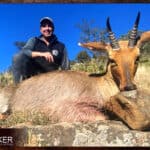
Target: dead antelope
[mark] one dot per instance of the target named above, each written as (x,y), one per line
(76,96)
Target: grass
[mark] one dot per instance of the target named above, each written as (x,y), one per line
(6,79)
(30,118)
(142,77)
(94,66)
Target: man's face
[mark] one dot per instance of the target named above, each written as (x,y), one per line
(46,30)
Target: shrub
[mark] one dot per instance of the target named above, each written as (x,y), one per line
(95,65)
(6,79)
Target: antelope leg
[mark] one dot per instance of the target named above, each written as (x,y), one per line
(129,112)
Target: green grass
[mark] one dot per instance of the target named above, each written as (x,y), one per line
(94,66)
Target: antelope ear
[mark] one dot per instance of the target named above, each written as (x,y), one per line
(95,46)
(144,38)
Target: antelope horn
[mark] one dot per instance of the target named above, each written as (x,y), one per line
(113,40)
(133,34)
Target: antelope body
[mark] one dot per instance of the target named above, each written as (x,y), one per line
(77,96)
(69,95)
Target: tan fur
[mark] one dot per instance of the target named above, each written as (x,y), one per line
(72,96)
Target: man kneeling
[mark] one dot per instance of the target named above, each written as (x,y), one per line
(40,54)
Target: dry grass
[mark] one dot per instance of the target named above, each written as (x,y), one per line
(6,79)
(27,118)
(142,77)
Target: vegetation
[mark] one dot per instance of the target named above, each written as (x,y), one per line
(22,118)
(95,65)
(83,57)
(6,79)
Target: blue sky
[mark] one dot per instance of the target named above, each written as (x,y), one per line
(19,22)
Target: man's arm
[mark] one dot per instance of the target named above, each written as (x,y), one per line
(28,50)
(29,46)
(65,64)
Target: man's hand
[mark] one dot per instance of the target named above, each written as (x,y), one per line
(47,55)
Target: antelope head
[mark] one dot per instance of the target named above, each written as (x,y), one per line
(123,55)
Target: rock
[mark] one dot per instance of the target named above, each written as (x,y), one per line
(101,133)
(130,94)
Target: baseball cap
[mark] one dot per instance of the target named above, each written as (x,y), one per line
(47,20)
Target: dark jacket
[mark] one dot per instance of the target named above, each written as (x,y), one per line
(56,48)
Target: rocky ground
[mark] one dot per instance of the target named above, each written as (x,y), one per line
(101,133)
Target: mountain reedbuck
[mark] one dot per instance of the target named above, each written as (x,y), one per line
(77,96)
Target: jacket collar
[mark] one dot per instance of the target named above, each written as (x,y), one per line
(52,38)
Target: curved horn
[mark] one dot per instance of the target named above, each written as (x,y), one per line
(133,34)
(113,41)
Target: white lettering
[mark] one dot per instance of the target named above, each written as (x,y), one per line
(6,140)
